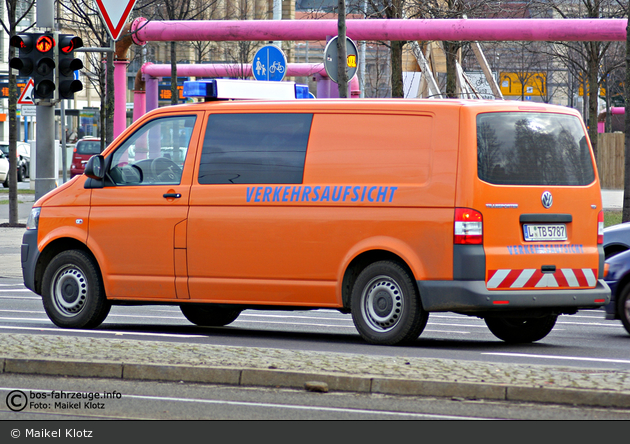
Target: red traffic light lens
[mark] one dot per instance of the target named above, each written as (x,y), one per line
(68,48)
(45,43)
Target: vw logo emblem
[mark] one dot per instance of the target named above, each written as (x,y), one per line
(547,199)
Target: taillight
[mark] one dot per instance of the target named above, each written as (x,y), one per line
(468,227)
(600,227)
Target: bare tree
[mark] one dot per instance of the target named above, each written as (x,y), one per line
(180,10)
(453,9)
(389,9)
(592,52)
(81,16)
(625,217)
(15,16)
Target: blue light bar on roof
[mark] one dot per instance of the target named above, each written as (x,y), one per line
(226,89)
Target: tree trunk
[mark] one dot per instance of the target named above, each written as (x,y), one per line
(450,51)
(13,131)
(397,74)
(593,95)
(174,91)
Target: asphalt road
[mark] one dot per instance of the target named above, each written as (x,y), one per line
(584,340)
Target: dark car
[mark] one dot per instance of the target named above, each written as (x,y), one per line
(618,279)
(616,239)
(83,150)
(23,158)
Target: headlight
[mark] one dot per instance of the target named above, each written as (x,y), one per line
(33,219)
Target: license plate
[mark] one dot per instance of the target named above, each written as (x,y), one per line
(545,232)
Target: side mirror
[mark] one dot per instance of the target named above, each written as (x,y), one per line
(95,168)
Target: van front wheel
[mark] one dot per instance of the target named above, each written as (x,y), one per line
(206,315)
(386,308)
(521,330)
(73,292)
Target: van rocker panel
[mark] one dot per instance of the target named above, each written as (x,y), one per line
(473,296)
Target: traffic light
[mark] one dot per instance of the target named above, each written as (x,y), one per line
(44,66)
(68,64)
(24,61)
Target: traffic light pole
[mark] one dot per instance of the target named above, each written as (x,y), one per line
(45,174)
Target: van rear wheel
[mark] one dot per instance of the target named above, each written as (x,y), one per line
(206,315)
(521,330)
(72,291)
(385,304)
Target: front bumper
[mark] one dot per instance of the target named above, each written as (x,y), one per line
(29,256)
(473,296)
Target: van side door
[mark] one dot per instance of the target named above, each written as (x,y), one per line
(138,217)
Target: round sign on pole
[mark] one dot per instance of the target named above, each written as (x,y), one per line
(331,56)
(269,63)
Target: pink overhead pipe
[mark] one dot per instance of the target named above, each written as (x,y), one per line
(382,29)
(227,70)
(601,123)
(153,71)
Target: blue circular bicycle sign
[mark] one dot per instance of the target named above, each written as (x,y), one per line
(269,63)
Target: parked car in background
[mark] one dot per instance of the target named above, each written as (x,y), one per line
(4,170)
(83,150)
(618,279)
(616,239)
(23,158)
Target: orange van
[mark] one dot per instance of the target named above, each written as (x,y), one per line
(387,209)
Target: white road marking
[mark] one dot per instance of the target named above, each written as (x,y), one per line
(565,358)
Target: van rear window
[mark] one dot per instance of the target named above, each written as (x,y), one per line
(254,148)
(526,148)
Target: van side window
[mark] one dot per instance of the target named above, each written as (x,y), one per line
(153,155)
(254,148)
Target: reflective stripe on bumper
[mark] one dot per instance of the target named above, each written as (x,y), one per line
(534,278)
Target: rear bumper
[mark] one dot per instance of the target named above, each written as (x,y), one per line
(473,296)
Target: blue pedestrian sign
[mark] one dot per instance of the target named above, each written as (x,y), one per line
(269,63)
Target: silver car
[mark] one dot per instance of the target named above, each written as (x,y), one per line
(4,170)
(23,158)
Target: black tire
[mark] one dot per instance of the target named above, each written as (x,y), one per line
(385,304)
(623,308)
(6,181)
(73,292)
(521,330)
(206,315)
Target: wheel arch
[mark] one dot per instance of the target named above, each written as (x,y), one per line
(362,260)
(614,248)
(53,249)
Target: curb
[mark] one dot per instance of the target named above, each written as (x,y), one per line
(298,380)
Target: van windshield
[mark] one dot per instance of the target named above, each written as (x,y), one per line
(516,148)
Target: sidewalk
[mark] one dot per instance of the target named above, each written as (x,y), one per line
(253,366)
